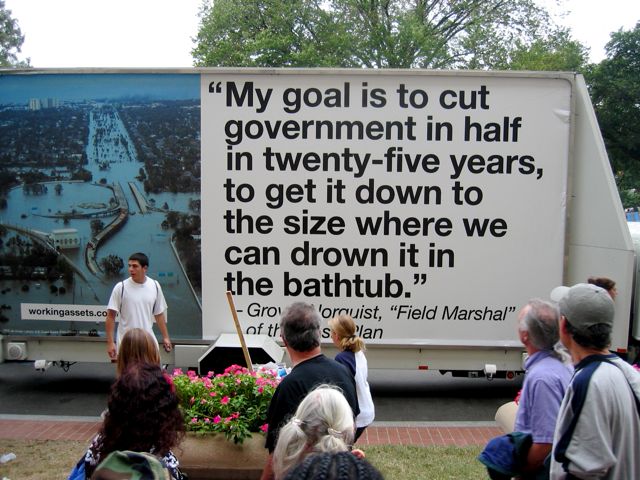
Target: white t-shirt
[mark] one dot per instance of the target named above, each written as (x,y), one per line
(365,402)
(137,304)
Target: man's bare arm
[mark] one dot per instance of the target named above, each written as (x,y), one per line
(162,325)
(535,458)
(109,327)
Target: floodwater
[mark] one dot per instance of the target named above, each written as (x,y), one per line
(111,156)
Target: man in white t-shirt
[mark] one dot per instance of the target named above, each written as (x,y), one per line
(140,302)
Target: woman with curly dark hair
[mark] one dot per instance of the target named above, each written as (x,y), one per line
(142,416)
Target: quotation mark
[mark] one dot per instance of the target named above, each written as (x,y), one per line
(419,278)
(215,87)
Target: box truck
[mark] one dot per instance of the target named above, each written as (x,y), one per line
(428,205)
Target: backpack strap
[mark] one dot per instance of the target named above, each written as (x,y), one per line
(157,294)
(580,386)
(633,392)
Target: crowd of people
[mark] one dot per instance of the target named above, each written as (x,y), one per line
(578,414)
(579,408)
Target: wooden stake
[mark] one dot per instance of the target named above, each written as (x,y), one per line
(234,313)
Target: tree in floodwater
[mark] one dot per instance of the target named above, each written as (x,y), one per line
(96,226)
(112,264)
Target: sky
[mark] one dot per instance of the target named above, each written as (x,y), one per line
(159,33)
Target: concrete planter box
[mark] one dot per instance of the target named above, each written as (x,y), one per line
(212,456)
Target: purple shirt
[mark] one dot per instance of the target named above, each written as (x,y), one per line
(545,382)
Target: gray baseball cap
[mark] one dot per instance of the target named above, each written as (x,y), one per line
(584,305)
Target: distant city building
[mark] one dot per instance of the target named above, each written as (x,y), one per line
(40,103)
(39,272)
(65,238)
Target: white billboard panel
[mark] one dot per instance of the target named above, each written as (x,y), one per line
(428,206)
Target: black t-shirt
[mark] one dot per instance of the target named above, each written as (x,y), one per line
(303,378)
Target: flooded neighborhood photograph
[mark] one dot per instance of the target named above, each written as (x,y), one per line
(95,167)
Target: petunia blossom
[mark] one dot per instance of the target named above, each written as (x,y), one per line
(224,400)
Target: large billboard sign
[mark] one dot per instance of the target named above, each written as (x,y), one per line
(428,206)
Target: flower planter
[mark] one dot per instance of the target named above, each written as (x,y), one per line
(212,456)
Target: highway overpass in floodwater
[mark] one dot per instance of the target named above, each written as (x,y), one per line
(91,248)
(140,199)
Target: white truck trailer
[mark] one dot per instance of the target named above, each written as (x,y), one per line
(428,205)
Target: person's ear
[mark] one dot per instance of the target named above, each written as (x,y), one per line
(563,324)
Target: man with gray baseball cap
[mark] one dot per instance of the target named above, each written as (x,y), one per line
(597,434)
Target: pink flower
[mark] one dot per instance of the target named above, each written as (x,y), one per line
(192,400)
(210,374)
(217,419)
(206,420)
(203,401)
(169,380)
(224,400)
(191,373)
(264,427)
(212,394)
(260,389)
(177,371)
(194,420)
(238,381)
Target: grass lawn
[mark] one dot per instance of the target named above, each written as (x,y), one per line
(419,463)
(52,460)
(40,459)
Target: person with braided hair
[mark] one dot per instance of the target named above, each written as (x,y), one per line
(334,466)
(351,346)
(323,422)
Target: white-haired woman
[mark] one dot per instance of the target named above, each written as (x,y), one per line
(323,422)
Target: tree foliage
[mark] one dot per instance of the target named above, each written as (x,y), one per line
(112,264)
(615,92)
(383,34)
(11,39)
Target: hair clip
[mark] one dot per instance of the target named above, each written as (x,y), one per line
(334,433)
